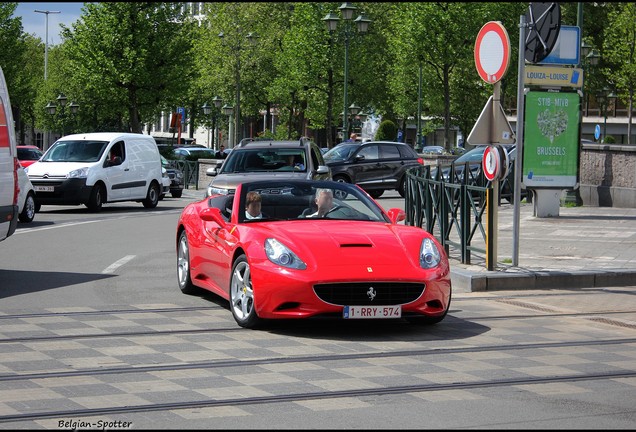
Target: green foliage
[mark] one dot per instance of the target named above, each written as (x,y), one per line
(124,63)
(134,58)
(609,139)
(387,131)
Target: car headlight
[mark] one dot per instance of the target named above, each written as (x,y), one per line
(281,255)
(179,175)
(211,190)
(78,173)
(429,254)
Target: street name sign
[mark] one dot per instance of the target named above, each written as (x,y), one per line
(553,76)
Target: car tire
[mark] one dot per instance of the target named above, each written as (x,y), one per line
(177,193)
(242,294)
(96,199)
(28,211)
(430,320)
(183,265)
(402,188)
(152,197)
(38,206)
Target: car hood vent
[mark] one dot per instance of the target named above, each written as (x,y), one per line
(355,245)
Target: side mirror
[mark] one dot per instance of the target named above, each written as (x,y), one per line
(396,215)
(212,172)
(213,215)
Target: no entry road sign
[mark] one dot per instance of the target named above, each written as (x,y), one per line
(492,52)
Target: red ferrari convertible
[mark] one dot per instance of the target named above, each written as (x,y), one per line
(302,248)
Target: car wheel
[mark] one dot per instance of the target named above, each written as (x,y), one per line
(37,207)
(338,193)
(428,320)
(183,265)
(377,193)
(152,198)
(177,193)
(95,201)
(402,188)
(242,294)
(28,212)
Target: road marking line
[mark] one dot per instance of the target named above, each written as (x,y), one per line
(111,268)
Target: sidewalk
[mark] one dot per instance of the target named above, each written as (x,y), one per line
(583,247)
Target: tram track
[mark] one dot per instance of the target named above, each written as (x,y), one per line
(295,397)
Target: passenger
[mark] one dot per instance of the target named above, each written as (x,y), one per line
(253,202)
(296,162)
(324,204)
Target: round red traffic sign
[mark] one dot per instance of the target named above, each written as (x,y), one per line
(491,163)
(492,52)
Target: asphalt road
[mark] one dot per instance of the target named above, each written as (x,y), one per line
(94,333)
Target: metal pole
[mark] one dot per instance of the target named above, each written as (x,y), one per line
(45,144)
(418,138)
(345,114)
(518,165)
(46,42)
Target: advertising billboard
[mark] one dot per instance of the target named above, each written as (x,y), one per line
(551,140)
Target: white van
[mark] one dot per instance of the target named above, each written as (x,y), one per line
(9,164)
(97,168)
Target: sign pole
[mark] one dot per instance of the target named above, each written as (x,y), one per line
(492,202)
(519,134)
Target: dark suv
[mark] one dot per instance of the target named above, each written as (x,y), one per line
(264,159)
(374,165)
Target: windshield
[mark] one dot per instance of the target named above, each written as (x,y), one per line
(474,155)
(304,201)
(29,154)
(265,160)
(75,151)
(340,152)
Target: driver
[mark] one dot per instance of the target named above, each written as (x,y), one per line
(324,202)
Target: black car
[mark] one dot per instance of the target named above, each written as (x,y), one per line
(176,178)
(374,165)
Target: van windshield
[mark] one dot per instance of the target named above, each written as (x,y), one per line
(75,151)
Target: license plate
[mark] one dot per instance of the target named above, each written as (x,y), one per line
(361,312)
(44,188)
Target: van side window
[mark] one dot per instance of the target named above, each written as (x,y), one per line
(117,150)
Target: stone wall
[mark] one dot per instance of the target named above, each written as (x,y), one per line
(204,179)
(608,175)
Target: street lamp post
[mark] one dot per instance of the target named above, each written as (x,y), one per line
(207,110)
(236,49)
(51,109)
(418,136)
(331,20)
(46,42)
(228,110)
(45,144)
(603,98)
(591,57)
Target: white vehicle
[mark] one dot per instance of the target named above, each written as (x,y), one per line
(26,198)
(8,165)
(97,168)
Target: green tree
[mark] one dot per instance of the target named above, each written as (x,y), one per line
(128,61)
(619,47)
(12,58)
(387,131)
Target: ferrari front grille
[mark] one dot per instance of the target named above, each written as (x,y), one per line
(369,293)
